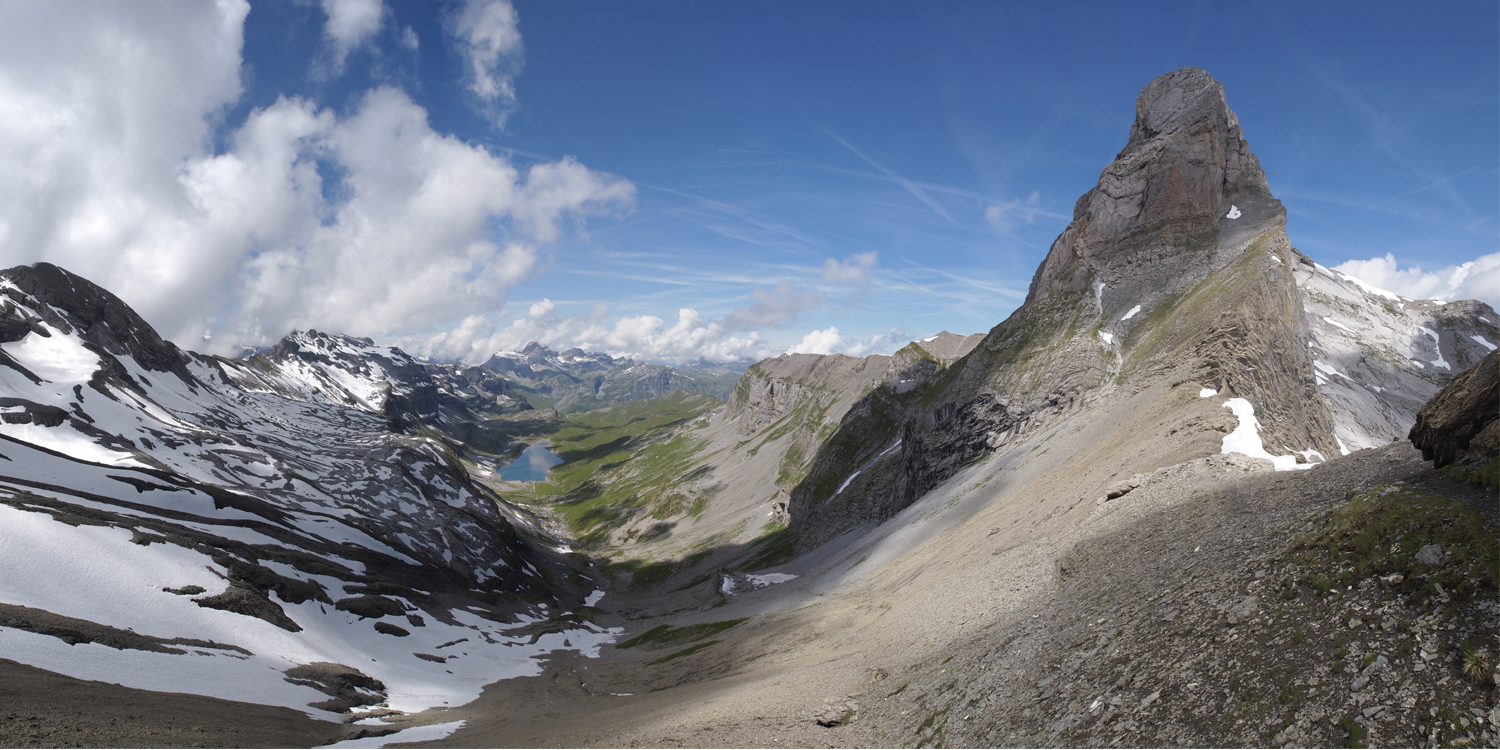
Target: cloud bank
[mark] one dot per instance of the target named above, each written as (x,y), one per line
(370,223)
(1477,279)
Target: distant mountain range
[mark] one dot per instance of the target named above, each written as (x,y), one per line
(575,380)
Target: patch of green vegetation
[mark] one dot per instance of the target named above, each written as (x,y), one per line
(1182,322)
(1356,733)
(772,548)
(690,650)
(1486,475)
(619,460)
(699,506)
(1380,531)
(664,636)
(699,581)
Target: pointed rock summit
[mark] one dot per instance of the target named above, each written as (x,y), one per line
(1169,319)
(1185,169)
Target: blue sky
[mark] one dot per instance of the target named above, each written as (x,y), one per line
(815,176)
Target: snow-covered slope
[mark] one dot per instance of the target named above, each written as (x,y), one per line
(263,507)
(1379,356)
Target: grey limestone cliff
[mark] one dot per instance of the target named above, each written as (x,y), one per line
(1175,269)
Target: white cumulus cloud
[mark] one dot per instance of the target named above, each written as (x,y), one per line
(830,341)
(350,23)
(370,223)
(1477,279)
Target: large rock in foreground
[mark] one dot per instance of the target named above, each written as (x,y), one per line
(1463,419)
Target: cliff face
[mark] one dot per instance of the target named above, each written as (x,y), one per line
(1175,265)
(1463,420)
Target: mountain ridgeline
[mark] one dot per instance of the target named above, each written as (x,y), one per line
(1176,268)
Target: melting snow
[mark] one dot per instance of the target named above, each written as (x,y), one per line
(1377,291)
(60,358)
(1132,313)
(846,483)
(120,584)
(769,579)
(594,598)
(1246,438)
(1483,342)
(1328,369)
(1234,212)
(1436,344)
(1109,338)
(731,585)
(424,733)
(1340,325)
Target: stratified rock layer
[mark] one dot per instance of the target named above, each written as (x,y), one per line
(1176,268)
(1463,419)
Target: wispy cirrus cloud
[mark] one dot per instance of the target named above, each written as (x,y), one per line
(908,185)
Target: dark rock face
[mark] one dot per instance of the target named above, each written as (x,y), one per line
(1185,165)
(1463,419)
(99,317)
(1176,264)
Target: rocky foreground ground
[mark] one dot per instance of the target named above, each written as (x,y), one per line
(1214,604)
(1335,607)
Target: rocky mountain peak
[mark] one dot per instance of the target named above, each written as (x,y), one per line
(73,304)
(1185,173)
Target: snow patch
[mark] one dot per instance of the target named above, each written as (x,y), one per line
(1331,321)
(60,358)
(1343,449)
(424,733)
(1483,342)
(1377,291)
(1132,313)
(1109,338)
(1437,344)
(1207,393)
(770,579)
(1245,439)
(120,584)
(1234,212)
(845,484)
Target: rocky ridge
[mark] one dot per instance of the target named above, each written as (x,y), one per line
(575,380)
(1177,267)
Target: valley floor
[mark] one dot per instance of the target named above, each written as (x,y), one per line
(1173,616)
(1180,614)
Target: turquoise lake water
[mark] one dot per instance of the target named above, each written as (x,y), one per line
(533,465)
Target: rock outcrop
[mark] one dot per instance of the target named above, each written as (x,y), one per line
(1176,266)
(1463,420)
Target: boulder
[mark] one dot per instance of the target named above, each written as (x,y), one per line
(1463,419)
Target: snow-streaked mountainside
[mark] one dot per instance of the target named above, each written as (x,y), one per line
(257,513)
(575,380)
(1379,356)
